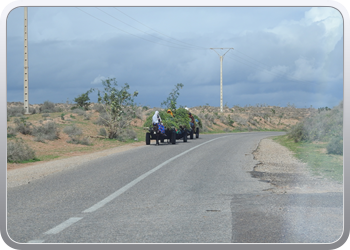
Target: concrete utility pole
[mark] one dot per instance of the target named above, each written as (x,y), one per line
(26,86)
(221,59)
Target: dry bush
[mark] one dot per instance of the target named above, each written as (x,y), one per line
(48,131)
(22,126)
(126,134)
(18,151)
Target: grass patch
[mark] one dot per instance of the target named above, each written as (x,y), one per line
(315,155)
(25,161)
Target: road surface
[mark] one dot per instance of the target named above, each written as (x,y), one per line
(201,191)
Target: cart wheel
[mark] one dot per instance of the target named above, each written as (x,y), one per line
(191,134)
(184,133)
(173,138)
(197,133)
(148,138)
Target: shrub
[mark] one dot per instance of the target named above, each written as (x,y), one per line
(335,146)
(87,116)
(75,135)
(118,104)
(298,132)
(103,132)
(240,120)
(15,111)
(45,115)
(48,131)
(85,141)
(126,134)
(47,107)
(79,111)
(18,151)
(322,126)
(99,108)
(83,100)
(72,130)
(102,119)
(22,126)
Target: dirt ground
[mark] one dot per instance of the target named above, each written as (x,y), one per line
(252,118)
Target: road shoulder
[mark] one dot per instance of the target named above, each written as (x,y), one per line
(285,173)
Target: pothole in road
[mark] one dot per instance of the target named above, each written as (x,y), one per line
(259,175)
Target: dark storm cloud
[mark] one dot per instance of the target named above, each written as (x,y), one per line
(274,55)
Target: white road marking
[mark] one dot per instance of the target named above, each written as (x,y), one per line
(137,180)
(63,225)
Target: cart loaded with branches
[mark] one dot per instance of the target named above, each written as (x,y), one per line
(176,127)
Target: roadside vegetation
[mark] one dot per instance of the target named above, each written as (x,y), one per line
(58,130)
(318,141)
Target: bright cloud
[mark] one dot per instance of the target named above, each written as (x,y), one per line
(98,79)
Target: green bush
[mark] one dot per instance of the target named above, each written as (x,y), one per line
(18,151)
(335,146)
(321,126)
(298,132)
(83,100)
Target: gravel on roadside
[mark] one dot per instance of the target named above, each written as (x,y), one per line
(285,173)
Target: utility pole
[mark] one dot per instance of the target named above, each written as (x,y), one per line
(221,59)
(26,78)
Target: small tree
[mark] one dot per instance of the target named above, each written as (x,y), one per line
(83,100)
(170,102)
(118,105)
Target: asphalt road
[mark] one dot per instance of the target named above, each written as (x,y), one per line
(200,191)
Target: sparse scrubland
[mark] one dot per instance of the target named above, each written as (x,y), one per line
(59,130)
(62,131)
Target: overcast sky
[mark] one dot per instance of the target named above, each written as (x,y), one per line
(280,56)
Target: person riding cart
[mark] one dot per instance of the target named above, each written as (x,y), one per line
(157,123)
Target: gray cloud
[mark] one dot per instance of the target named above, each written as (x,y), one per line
(280,56)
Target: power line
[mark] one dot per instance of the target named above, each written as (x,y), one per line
(250,60)
(158,31)
(280,73)
(139,29)
(127,31)
(250,64)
